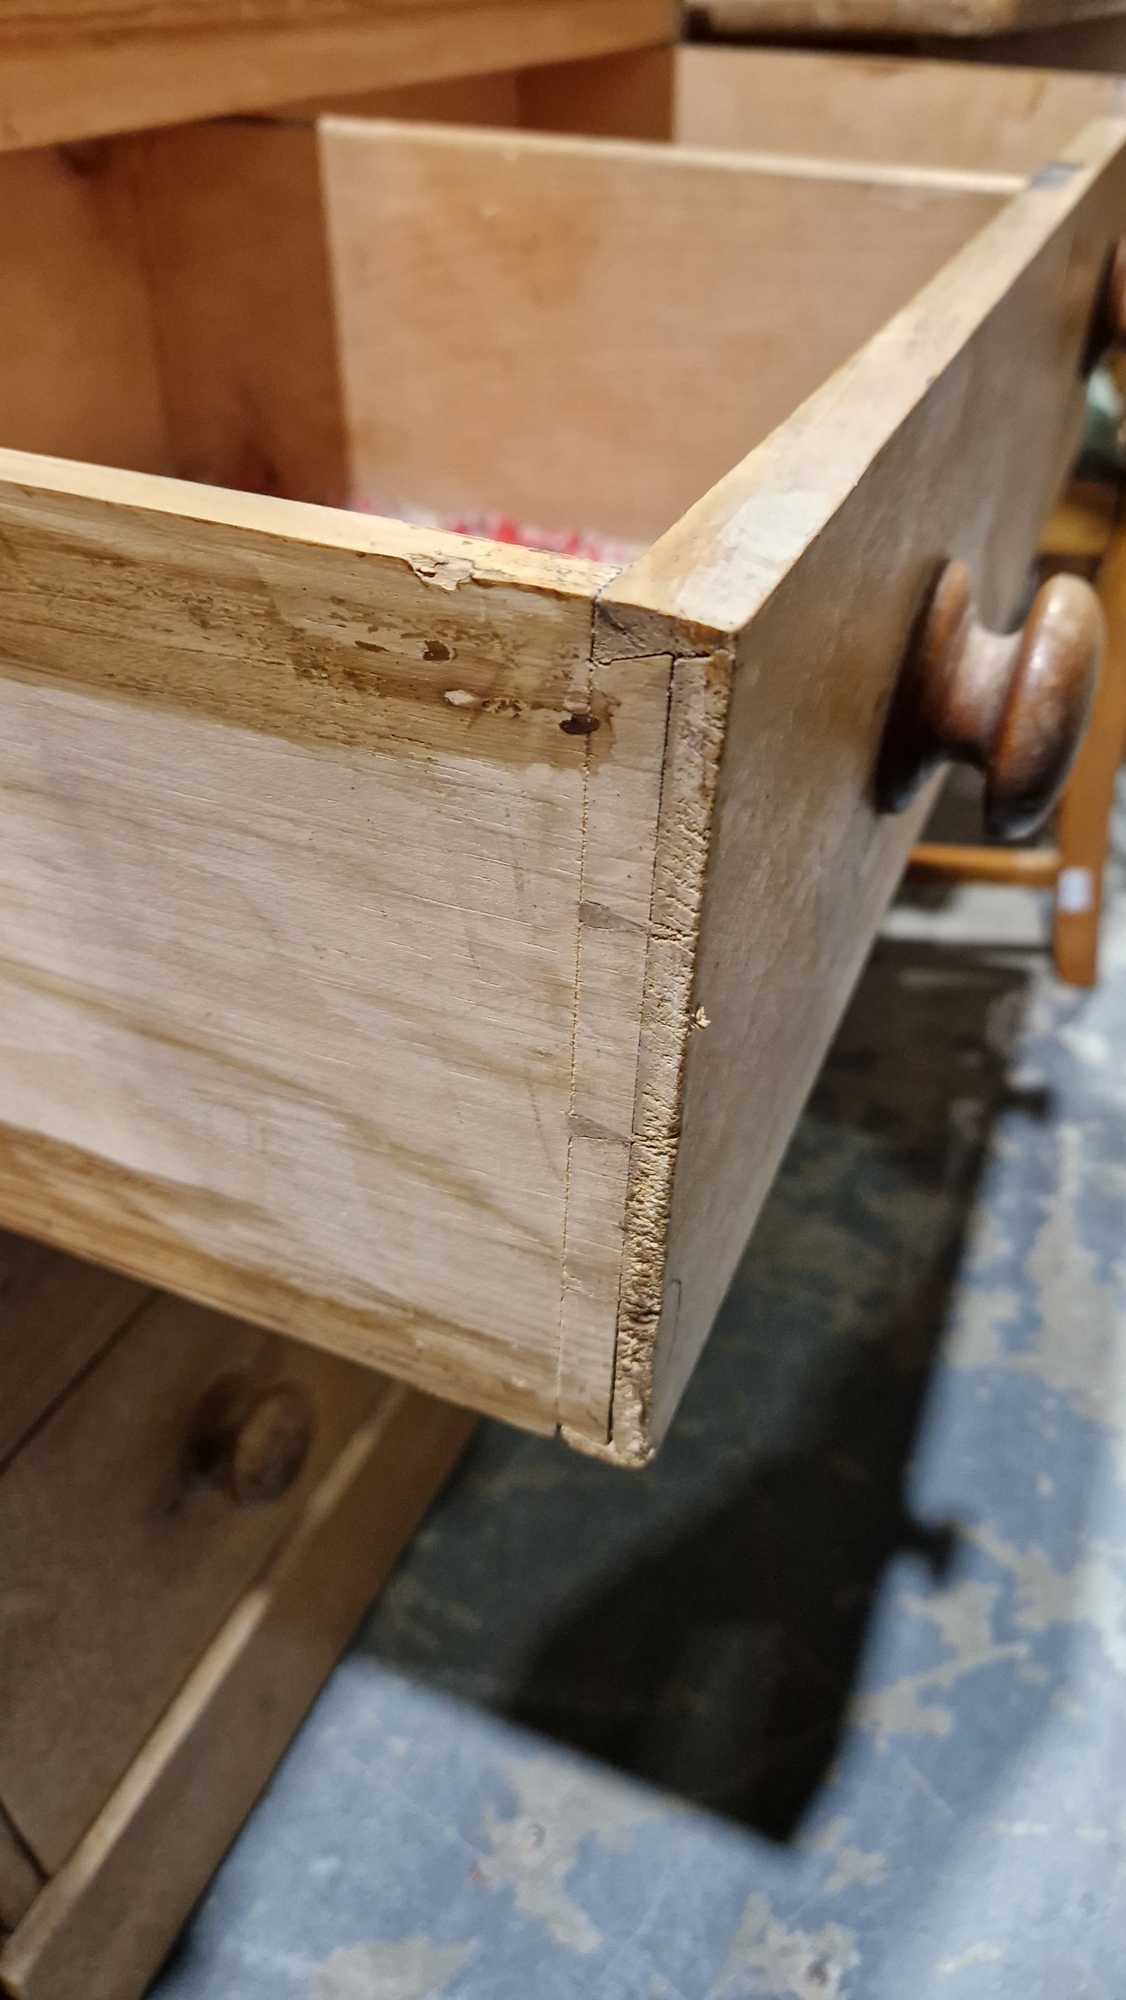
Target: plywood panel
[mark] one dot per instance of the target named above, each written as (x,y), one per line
(511,335)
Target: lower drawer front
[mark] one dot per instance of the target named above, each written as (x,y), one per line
(131,1522)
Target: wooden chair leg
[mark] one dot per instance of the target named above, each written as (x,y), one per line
(1083,814)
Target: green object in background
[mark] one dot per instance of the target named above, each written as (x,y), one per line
(1103,454)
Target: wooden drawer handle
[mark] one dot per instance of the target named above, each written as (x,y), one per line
(250,1442)
(1014,706)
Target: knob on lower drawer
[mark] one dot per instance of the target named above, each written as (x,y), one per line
(1015,706)
(252,1442)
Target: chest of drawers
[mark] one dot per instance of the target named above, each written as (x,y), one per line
(420,943)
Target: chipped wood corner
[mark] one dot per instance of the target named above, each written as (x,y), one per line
(686,670)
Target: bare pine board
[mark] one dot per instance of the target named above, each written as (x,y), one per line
(69,71)
(951,432)
(291,848)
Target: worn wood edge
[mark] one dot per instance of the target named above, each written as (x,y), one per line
(713,571)
(438,555)
(612,949)
(699,694)
(121,82)
(102,1924)
(681,159)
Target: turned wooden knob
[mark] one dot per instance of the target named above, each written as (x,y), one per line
(1016,707)
(248,1441)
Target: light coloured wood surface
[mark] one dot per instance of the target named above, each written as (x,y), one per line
(943,114)
(309,856)
(57,1314)
(946,436)
(290,866)
(1013,867)
(241,302)
(514,290)
(105,1537)
(78,370)
(70,72)
(103,1924)
(954,18)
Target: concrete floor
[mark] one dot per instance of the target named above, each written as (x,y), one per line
(830,1701)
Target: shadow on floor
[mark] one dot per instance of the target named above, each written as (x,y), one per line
(700,1625)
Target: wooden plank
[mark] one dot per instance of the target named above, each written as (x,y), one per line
(118,1565)
(103,1924)
(57,1314)
(514,290)
(69,71)
(78,370)
(290,837)
(943,114)
(948,435)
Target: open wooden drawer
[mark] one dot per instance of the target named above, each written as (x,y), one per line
(419,943)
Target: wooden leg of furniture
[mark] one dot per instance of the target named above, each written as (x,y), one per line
(1083,814)
(279,1500)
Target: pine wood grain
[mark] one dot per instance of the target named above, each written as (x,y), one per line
(290,862)
(70,72)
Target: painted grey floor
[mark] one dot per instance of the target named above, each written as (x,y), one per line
(831,1701)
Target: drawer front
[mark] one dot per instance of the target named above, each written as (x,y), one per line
(130,1524)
